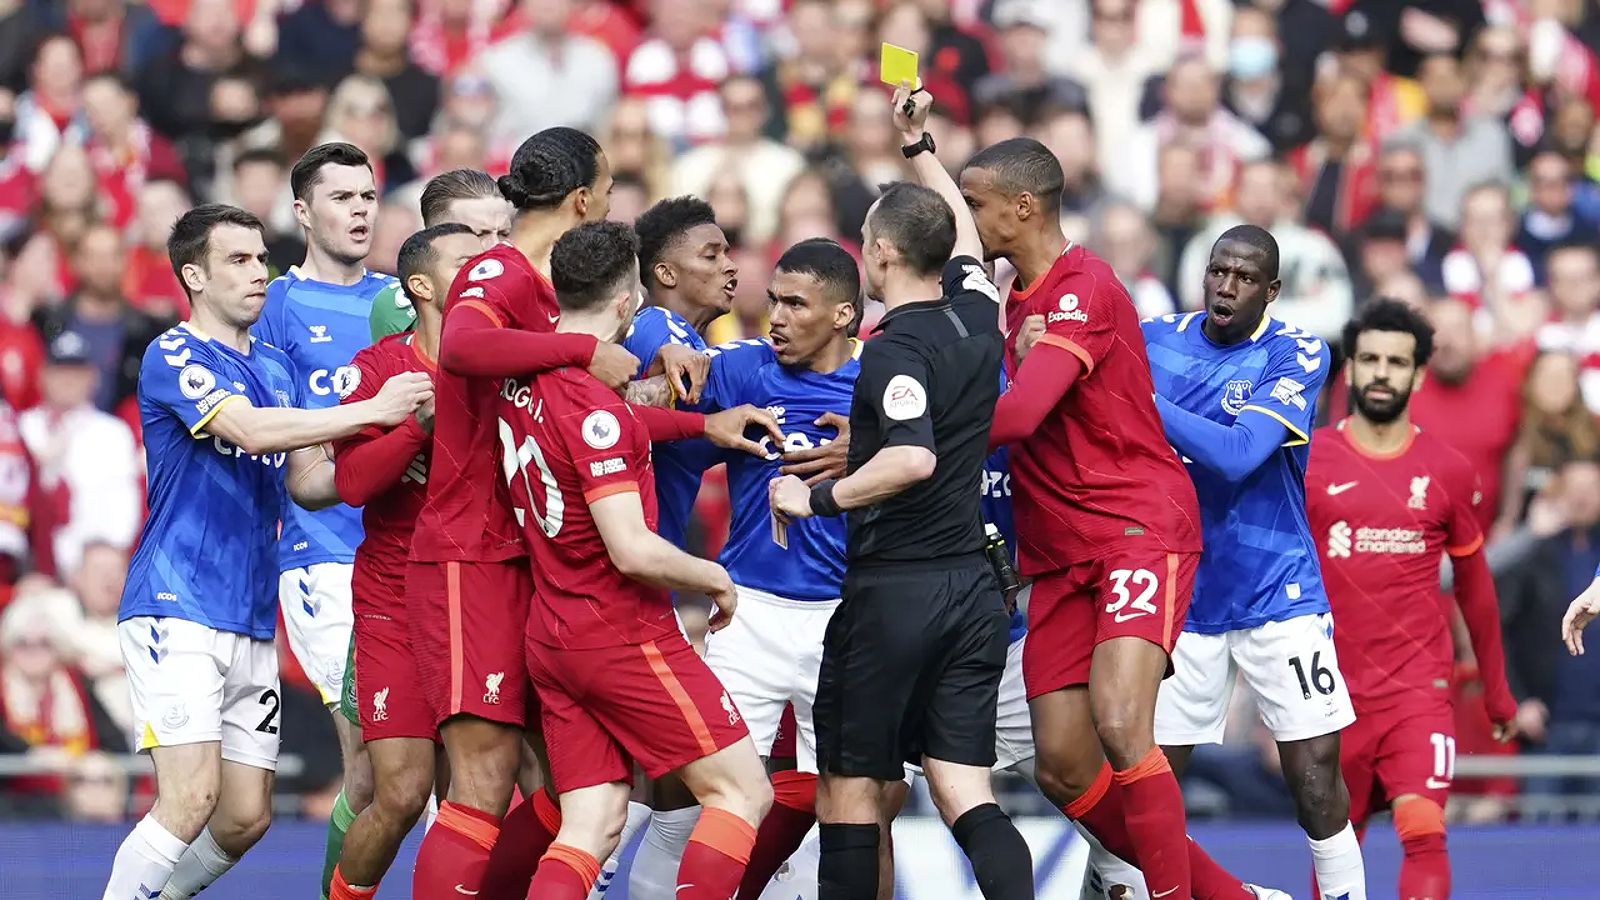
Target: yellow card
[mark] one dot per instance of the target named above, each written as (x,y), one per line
(898,64)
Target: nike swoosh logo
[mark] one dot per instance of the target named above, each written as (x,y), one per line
(1119,618)
(462,890)
(1435,784)
(1157,895)
(682,888)
(1335,490)
(555,318)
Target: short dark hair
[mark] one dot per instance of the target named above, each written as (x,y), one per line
(1259,238)
(456,184)
(1023,164)
(549,166)
(830,264)
(918,223)
(833,267)
(417,254)
(307,172)
(258,155)
(661,227)
(590,262)
(1384,314)
(190,240)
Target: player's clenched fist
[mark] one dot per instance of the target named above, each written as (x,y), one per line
(911,112)
(790,498)
(727,428)
(1028,334)
(401,395)
(613,365)
(724,599)
(1582,611)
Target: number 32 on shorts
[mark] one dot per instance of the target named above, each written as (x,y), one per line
(1132,589)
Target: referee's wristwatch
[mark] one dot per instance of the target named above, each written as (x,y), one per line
(910,150)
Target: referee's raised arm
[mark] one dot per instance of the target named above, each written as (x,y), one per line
(911,120)
(914,653)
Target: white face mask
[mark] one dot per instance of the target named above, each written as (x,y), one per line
(1252,57)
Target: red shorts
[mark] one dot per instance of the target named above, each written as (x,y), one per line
(388,694)
(1410,749)
(467,620)
(655,703)
(1141,592)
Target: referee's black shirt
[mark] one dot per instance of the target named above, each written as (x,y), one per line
(929,377)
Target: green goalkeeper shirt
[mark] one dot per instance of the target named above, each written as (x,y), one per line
(392,313)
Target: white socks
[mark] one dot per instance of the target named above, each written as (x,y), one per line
(655,866)
(638,815)
(1106,869)
(144,862)
(203,863)
(1340,872)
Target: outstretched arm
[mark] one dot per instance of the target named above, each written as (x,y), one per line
(474,344)
(1232,451)
(929,171)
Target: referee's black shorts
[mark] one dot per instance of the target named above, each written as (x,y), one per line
(911,666)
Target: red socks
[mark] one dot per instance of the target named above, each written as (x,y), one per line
(1425,869)
(1153,811)
(794,801)
(528,830)
(713,862)
(565,873)
(339,889)
(451,859)
(1100,809)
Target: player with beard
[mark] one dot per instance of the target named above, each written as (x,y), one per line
(1385,499)
(318,313)
(1237,393)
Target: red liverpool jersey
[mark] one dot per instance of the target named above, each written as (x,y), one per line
(576,442)
(1099,469)
(385,471)
(466,517)
(1380,523)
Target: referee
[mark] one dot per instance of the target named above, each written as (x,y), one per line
(912,658)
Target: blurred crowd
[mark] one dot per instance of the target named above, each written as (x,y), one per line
(1443,152)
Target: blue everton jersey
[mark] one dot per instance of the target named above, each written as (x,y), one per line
(996,505)
(1260,562)
(680,465)
(208,551)
(812,568)
(321,327)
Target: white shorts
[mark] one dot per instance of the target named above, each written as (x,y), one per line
(192,683)
(1013,730)
(768,657)
(317,620)
(1290,666)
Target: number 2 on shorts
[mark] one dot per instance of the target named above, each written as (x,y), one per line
(1144,581)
